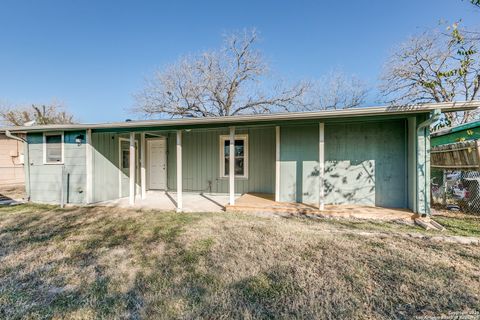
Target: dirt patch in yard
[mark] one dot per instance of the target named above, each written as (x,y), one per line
(116,263)
(15,192)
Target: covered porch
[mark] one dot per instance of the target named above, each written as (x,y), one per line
(303,168)
(179,169)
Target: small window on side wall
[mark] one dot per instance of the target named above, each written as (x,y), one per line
(240,156)
(53,148)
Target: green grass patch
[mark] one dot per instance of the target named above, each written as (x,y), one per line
(462,226)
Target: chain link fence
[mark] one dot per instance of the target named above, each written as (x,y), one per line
(456,190)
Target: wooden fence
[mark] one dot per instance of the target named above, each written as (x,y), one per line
(456,156)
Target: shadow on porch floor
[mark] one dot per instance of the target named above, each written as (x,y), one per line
(167,201)
(264,203)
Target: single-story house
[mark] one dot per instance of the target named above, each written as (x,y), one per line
(11,162)
(376,156)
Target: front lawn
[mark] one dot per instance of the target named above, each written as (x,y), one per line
(88,263)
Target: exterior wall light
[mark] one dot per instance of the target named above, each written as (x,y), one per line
(79,139)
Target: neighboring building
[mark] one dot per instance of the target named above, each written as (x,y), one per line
(365,156)
(11,161)
(464,132)
(455,164)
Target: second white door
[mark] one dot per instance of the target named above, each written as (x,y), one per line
(157,164)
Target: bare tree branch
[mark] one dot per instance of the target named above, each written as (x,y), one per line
(218,83)
(54,113)
(336,91)
(434,67)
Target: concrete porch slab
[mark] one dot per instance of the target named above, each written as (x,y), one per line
(167,201)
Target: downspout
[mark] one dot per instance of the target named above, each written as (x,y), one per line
(435,116)
(26,158)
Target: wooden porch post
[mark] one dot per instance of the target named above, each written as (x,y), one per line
(89,166)
(131,199)
(179,172)
(321,167)
(143,174)
(231,166)
(277,163)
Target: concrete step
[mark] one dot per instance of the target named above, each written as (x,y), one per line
(429,224)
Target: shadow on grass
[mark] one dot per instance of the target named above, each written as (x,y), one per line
(59,264)
(52,244)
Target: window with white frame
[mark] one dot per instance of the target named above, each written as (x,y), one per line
(53,148)
(241,156)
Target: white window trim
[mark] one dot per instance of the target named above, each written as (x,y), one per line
(45,135)
(137,164)
(222,140)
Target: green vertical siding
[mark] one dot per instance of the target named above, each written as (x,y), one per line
(45,179)
(299,164)
(106,166)
(201,161)
(366,163)
(371,163)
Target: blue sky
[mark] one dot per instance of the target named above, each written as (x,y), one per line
(93,55)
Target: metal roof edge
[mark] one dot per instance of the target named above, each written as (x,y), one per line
(284,116)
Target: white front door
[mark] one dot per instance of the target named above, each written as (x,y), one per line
(157,164)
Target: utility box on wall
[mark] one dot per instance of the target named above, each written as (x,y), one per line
(11,161)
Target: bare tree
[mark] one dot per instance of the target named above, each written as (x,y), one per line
(224,82)
(54,113)
(434,67)
(335,91)
(471,34)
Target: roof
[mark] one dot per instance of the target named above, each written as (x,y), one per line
(464,132)
(258,118)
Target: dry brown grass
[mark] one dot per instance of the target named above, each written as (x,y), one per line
(16,191)
(86,263)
